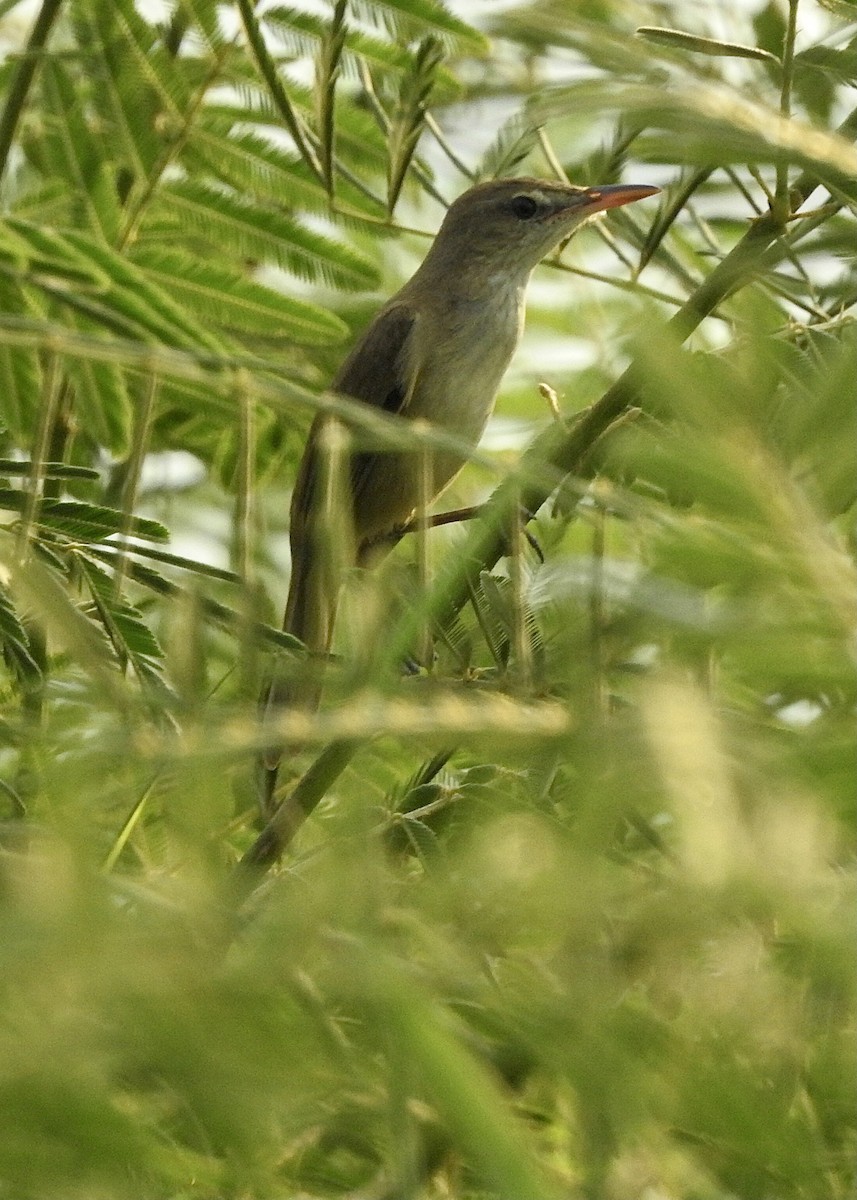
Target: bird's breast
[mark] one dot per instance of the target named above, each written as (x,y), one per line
(460,364)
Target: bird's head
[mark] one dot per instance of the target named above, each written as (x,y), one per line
(509,225)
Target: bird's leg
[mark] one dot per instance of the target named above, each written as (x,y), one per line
(453,517)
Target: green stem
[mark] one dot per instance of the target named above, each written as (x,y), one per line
(134,469)
(782,193)
(294,810)
(268,71)
(51,389)
(23,77)
(170,153)
(242,537)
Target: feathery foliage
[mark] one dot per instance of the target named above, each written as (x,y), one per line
(568,910)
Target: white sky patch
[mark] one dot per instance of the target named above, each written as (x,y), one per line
(171,470)
(800,713)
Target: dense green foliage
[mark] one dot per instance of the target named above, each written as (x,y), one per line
(569,913)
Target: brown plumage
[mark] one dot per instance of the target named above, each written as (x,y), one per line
(437,351)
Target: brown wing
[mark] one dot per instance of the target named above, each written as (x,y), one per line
(374,372)
(377,372)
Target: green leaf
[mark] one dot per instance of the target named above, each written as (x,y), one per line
(14,637)
(129,635)
(126,103)
(193,565)
(703,45)
(840,64)
(101,400)
(249,163)
(74,154)
(265,65)
(328,65)
(301,33)
(409,117)
(116,294)
(20,372)
(134,297)
(241,306)
(251,230)
(229,618)
(205,15)
(422,840)
(819,426)
(711,123)
(39,251)
(84,522)
(410,19)
(139,63)
(49,470)
(512,144)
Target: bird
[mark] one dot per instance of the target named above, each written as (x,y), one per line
(436,352)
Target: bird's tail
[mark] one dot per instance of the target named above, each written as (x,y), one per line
(322,548)
(297,685)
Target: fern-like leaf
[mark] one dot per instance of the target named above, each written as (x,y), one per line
(255,231)
(407,20)
(83,522)
(132,295)
(238,304)
(101,399)
(20,371)
(279,95)
(409,119)
(513,143)
(129,636)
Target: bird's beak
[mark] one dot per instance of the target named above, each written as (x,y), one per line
(613,195)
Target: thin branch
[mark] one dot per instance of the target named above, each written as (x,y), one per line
(51,391)
(23,77)
(287,820)
(143,416)
(782,193)
(327,75)
(243,519)
(440,137)
(268,71)
(170,152)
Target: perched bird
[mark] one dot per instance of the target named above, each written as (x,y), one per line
(436,351)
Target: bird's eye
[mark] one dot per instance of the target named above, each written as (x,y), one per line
(524,207)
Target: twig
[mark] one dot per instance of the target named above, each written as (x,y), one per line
(23,77)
